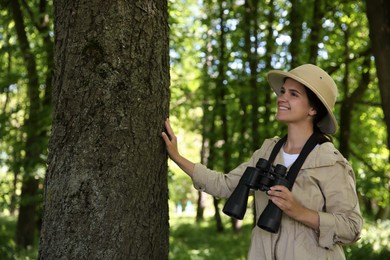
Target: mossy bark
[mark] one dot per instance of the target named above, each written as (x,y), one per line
(106,186)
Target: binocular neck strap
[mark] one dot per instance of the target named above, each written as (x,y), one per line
(296,166)
(276,149)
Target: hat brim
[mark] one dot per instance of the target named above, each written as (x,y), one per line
(276,80)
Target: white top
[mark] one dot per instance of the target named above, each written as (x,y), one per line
(289,158)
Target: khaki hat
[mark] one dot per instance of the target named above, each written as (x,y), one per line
(318,81)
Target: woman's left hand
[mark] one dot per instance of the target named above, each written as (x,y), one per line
(282,197)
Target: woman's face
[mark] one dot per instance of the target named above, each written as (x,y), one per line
(293,104)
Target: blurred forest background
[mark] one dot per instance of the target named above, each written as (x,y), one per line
(221,109)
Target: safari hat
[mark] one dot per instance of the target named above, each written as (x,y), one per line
(318,81)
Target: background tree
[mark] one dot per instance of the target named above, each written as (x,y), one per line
(36,122)
(378,13)
(106,184)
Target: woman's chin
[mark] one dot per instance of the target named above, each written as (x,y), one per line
(280,118)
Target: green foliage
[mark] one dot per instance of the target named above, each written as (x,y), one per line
(374,243)
(5,191)
(180,188)
(189,240)
(185,58)
(201,241)
(8,249)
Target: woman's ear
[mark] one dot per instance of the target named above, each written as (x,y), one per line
(312,111)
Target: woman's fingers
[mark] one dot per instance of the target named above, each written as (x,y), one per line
(165,138)
(168,135)
(278,191)
(170,140)
(169,128)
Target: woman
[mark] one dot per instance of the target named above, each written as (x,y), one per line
(321,213)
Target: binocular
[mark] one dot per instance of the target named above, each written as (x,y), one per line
(262,177)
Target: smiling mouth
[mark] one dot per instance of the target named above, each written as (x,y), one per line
(283,108)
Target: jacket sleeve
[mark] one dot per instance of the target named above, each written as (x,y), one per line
(341,221)
(216,183)
(222,185)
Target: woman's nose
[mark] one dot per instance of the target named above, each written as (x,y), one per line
(282,97)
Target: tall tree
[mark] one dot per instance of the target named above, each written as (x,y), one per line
(296,20)
(315,31)
(26,224)
(106,184)
(378,14)
(220,97)
(250,27)
(266,130)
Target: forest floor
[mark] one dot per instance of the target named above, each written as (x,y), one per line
(190,240)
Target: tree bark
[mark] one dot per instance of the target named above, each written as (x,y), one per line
(316,28)
(378,14)
(296,32)
(252,59)
(348,104)
(106,186)
(265,88)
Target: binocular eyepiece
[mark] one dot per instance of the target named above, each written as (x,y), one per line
(262,177)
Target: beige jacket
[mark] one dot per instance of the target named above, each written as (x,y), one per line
(325,183)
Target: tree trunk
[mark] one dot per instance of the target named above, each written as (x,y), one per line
(265,88)
(315,32)
(26,223)
(106,186)
(250,28)
(349,102)
(209,121)
(204,153)
(200,206)
(378,13)
(296,32)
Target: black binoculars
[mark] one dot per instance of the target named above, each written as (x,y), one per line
(262,177)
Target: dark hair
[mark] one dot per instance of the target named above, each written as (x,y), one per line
(316,103)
